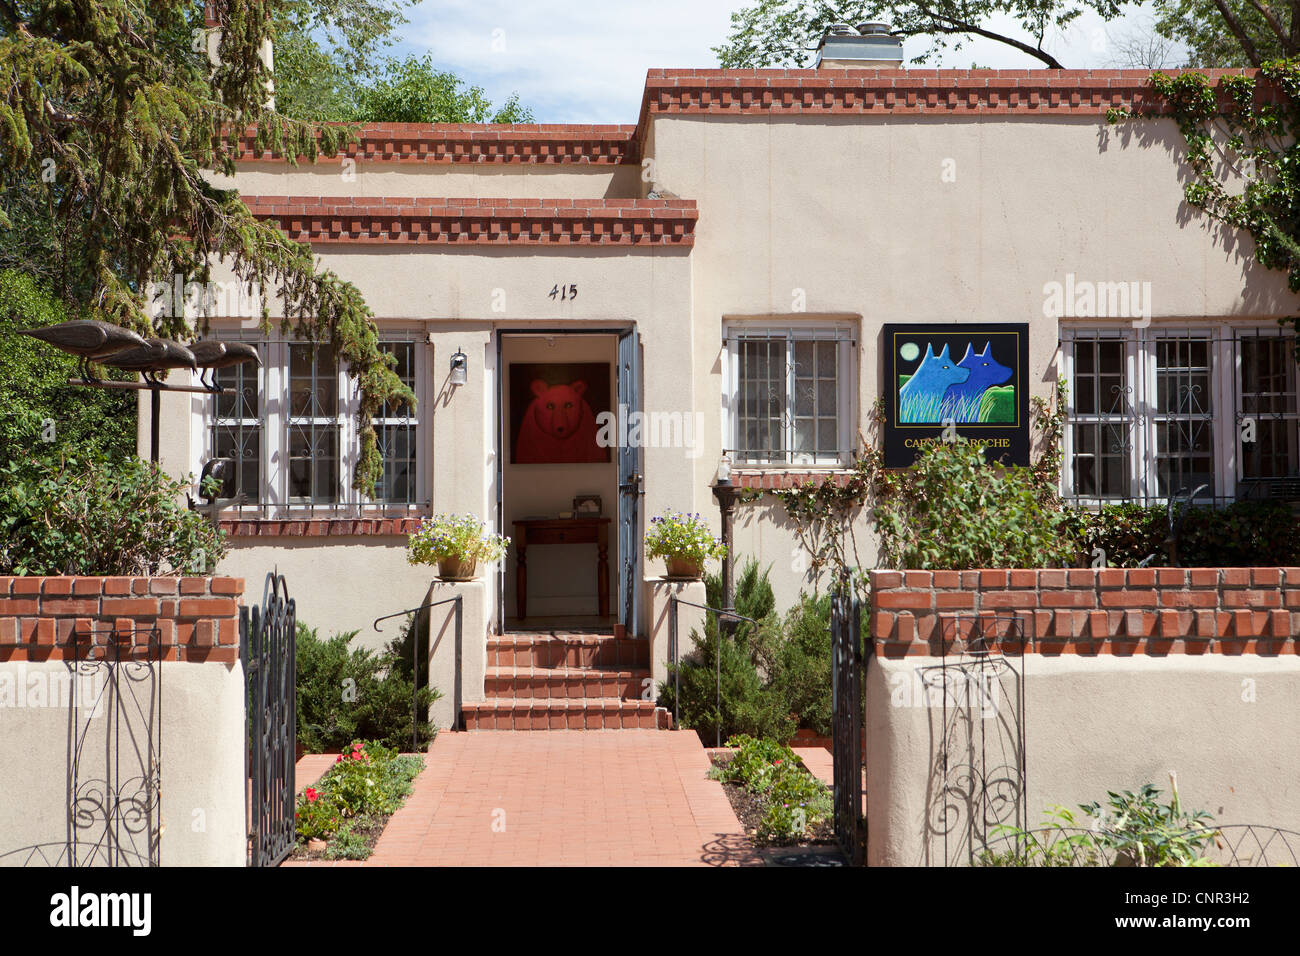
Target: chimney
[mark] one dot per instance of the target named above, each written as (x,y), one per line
(867,47)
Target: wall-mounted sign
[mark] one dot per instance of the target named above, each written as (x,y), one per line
(974,377)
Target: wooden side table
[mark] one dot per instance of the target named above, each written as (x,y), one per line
(561,531)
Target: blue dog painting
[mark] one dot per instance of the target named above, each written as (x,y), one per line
(963,400)
(921,398)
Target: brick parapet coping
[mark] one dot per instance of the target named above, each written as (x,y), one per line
(766,92)
(196,618)
(317,527)
(1151,611)
(585,222)
(493,144)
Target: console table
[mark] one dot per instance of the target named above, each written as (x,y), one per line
(531,531)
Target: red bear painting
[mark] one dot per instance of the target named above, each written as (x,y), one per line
(559,405)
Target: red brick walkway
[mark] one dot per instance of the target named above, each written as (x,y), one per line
(561,798)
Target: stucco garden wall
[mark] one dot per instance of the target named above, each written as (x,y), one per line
(1193,672)
(179,643)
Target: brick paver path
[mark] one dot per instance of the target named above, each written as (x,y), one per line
(558,798)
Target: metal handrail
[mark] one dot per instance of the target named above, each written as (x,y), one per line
(459,601)
(673,601)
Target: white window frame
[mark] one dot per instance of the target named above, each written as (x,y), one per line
(1140,370)
(844,334)
(273,401)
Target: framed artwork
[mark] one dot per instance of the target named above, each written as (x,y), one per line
(972,377)
(553,409)
(587,506)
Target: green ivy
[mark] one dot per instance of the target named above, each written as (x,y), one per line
(1248,125)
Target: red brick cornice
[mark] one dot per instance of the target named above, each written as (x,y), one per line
(588,222)
(944,92)
(487,143)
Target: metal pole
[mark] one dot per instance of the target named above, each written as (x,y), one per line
(415,682)
(672,641)
(460,621)
(154,406)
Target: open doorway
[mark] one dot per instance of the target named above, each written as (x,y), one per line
(559,482)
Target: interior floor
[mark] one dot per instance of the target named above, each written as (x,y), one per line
(569,623)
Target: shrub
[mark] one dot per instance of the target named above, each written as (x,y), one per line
(95,517)
(749,706)
(955,511)
(800,672)
(1243,534)
(346,693)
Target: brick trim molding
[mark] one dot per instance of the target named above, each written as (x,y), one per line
(317,527)
(1153,611)
(197,618)
(779,480)
(985,92)
(590,222)
(547,144)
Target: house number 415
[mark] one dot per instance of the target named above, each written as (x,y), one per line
(565,292)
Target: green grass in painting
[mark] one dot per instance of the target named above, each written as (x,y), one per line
(996,406)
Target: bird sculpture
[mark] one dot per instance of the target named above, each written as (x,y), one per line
(154,356)
(212,355)
(88,339)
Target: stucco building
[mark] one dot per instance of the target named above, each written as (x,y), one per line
(727,267)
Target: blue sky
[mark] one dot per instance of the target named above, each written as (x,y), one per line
(584,61)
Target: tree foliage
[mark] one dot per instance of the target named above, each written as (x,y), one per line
(1231,33)
(39,413)
(412,90)
(121,103)
(786,32)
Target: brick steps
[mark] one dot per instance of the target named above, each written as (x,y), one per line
(564,681)
(560,714)
(543,683)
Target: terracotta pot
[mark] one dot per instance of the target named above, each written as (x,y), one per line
(684,568)
(457,569)
(316,846)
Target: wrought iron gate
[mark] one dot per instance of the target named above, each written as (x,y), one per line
(976,701)
(267,648)
(846,727)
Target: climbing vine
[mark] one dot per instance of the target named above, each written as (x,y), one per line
(1243,154)
(824,512)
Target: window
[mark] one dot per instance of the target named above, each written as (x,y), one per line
(1158,412)
(290,427)
(790,395)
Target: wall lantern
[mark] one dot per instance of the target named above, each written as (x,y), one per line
(459,368)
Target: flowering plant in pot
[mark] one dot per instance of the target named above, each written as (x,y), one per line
(456,543)
(684,542)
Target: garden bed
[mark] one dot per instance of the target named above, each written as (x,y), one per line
(768,808)
(344,814)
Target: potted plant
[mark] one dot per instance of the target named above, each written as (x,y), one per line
(684,542)
(456,543)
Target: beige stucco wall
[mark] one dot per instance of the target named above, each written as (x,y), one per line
(1095,724)
(330,177)
(201,756)
(854,212)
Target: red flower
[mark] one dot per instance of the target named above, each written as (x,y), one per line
(338,759)
(311,794)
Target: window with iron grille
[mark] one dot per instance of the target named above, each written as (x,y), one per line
(1157,412)
(290,427)
(790,395)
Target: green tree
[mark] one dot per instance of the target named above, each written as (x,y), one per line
(326,49)
(412,90)
(786,32)
(1231,33)
(121,104)
(41,414)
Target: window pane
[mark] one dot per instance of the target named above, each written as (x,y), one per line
(237,430)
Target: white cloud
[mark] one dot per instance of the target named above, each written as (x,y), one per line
(585,61)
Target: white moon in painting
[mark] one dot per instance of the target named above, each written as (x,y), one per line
(909,351)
